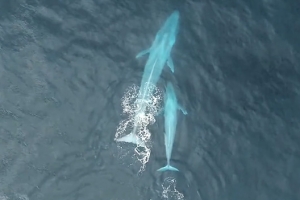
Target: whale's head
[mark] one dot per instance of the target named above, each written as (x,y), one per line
(171,25)
(169,30)
(172,21)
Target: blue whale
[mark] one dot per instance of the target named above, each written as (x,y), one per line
(171,107)
(159,55)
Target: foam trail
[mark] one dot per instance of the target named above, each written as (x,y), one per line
(170,191)
(137,122)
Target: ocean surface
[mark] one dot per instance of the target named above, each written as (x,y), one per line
(65,66)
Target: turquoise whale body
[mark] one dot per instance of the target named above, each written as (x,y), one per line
(171,107)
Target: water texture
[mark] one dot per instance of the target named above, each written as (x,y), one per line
(65,66)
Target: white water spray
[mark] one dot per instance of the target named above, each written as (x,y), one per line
(140,120)
(170,191)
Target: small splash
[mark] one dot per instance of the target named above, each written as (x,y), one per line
(139,120)
(22,197)
(3,197)
(170,191)
(14,196)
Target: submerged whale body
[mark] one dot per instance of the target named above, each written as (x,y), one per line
(171,107)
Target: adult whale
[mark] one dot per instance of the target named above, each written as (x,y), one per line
(171,107)
(159,55)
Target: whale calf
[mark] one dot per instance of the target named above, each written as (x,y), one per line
(170,109)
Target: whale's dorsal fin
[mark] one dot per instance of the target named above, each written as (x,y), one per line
(170,64)
(166,139)
(182,110)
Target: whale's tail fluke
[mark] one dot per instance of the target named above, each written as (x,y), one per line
(166,168)
(131,138)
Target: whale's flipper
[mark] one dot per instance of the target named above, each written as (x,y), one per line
(182,110)
(166,168)
(142,53)
(131,138)
(170,64)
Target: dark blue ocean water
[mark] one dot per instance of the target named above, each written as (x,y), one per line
(66,64)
